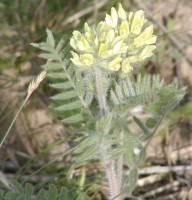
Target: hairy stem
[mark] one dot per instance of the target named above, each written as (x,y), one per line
(100,86)
(119,171)
(114,189)
(120,165)
(109,166)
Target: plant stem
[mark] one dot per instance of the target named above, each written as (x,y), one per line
(100,86)
(109,165)
(120,166)
(119,171)
(114,188)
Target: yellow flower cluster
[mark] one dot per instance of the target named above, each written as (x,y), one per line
(114,44)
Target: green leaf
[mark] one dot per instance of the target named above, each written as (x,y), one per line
(79,84)
(53,66)
(114,98)
(52,192)
(65,95)
(70,106)
(41,195)
(73,119)
(89,98)
(70,70)
(131,143)
(18,187)
(28,190)
(50,56)
(11,195)
(64,194)
(50,38)
(44,46)
(141,125)
(57,75)
(133,177)
(61,44)
(151,123)
(20,197)
(64,85)
(82,196)
(119,92)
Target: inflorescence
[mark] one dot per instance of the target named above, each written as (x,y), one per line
(115,44)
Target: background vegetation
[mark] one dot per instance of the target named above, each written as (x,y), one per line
(38,150)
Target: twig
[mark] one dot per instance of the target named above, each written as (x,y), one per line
(164,169)
(170,196)
(170,186)
(184,153)
(173,39)
(84,12)
(149,180)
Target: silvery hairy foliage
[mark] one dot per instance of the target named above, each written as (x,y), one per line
(97,93)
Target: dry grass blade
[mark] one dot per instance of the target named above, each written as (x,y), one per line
(32,86)
(35,82)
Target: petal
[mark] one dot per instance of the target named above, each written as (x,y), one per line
(124,29)
(112,19)
(73,43)
(87,28)
(115,65)
(144,37)
(108,20)
(130,16)
(137,22)
(117,46)
(87,59)
(83,44)
(103,50)
(121,12)
(126,66)
(114,16)
(110,36)
(147,52)
(75,59)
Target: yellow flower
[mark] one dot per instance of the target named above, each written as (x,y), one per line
(117,44)
(114,44)
(112,19)
(124,29)
(137,22)
(147,52)
(146,37)
(84,60)
(121,12)
(110,36)
(103,50)
(126,66)
(115,64)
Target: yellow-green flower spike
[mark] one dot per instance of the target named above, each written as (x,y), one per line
(115,44)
